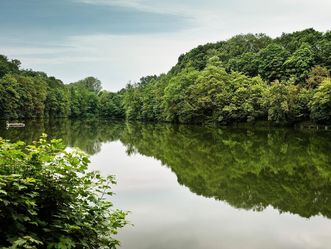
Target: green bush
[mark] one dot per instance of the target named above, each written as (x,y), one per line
(49,199)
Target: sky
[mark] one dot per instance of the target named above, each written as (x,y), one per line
(118,41)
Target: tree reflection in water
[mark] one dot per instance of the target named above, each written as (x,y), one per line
(248,168)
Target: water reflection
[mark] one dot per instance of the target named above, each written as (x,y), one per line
(248,168)
(87,135)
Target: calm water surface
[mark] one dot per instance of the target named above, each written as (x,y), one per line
(194,187)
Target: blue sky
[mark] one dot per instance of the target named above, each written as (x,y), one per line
(122,40)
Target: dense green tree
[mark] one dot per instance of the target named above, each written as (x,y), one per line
(320,104)
(293,41)
(90,83)
(177,107)
(245,103)
(133,102)
(57,100)
(33,93)
(323,51)
(9,98)
(7,66)
(23,96)
(316,75)
(241,44)
(271,60)
(246,63)
(299,63)
(286,102)
(84,100)
(225,50)
(111,105)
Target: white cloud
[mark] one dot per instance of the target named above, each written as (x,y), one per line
(164,7)
(124,3)
(112,58)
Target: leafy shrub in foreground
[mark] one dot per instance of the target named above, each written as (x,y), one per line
(49,199)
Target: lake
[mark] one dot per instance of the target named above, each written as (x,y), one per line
(203,187)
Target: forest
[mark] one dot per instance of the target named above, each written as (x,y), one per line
(248,78)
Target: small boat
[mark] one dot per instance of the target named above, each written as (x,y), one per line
(15,125)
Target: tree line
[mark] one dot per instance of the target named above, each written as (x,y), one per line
(247,78)
(27,94)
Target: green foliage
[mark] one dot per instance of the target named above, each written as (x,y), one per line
(299,63)
(324,52)
(316,76)
(25,94)
(233,48)
(133,102)
(176,101)
(320,104)
(57,101)
(270,61)
(84,97)
(111,105)
(22,96)
(49,199)
(90,84)
(9,97)
(143,100)
(286,102)
(7,66)
(293,41)
(246,63)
